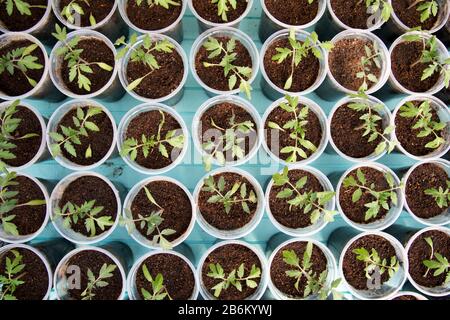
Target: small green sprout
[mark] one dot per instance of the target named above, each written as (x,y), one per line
(371,58)
(426,9)
(375,6)
(12,277)
(223,6)
(22,6)
(94,283)
(163,3)
(159,291)
(437,262)
(75,7)
(373,262)
(441,196)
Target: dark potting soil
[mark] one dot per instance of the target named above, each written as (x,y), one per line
(420,251)
(177,212)
(94,50)
(214,213)
(347,133)
(27,148)
(94,260)
(406,68)
(154,17)
(179,280)
(208,10)
(293,12)
(425,176)
(294,217)
(214,77)
(100,141)
(34,275)
(304,76)
(282,138)
(19,22)
(17,84)
(408,137)
(278,269)
(353,268)
(410,16)
(221,115)
(356,211)
(85,189)
(160,82)
(99,9)
(352,13)
(147,123)
(405,297)
(345,63)
(28,219)
(230,257)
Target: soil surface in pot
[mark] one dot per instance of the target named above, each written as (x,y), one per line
(293,12)
(208,10)
(94,50)
(304,76)
(99,9)
(160,82)
(230,257)
(35,274)
(410,16)
(17,84)
(25,149)
(347,133)
(100,141)
(19,22)
(214,77)
(408,137)
(177,207)
(425,176)
(406,297)
(294,217)
(282,139)
(407,70)
(356,211)
(147,123)
(420,251)
(28,219)
(94,260)
(152,17)
(214,213)
(353,269)
(85,189)
(345,63)
(278,269)
(179,280)
(352,13)
(221,114)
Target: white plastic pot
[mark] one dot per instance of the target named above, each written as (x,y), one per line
(409,293)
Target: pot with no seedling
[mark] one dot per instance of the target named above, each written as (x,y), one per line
(359,61)
(159,212)
(295,131)
(161,16)
(24,207)
(224,60)
(219,13)
(369,196)
(230,203)
(428,253)
(408,296)
(163,275)
(292,62)
(24,69)
(300,201)
(91,273)
(85,207)
(226,131)
(232,270)
(22,135)
(25,273)
(83,65)
(427,192)
(360,128)
(153,68)
(81,134)
(422,127)
(373,265)
(420,64)
(152,139)
(291,14)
